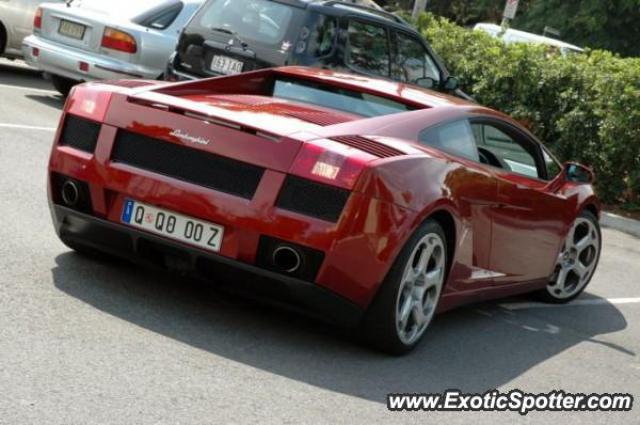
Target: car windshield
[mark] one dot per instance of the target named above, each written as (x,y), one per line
(263,21)
(364,104)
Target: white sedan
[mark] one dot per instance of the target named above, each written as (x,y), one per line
(88,40)
(516,36)
(16,23)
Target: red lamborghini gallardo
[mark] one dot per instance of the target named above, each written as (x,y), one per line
(361,201)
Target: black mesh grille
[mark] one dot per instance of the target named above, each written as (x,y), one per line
(191,165)
(80,133)
(311,198)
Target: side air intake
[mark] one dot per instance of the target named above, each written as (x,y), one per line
(367,145)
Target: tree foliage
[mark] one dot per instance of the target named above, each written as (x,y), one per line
(585,107)
(610,25)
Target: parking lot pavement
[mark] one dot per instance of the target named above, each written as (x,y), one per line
(86,341)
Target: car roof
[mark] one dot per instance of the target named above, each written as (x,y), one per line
(114,8)
(514,36)
(357,7)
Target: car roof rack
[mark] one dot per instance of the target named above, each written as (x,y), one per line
(379,12)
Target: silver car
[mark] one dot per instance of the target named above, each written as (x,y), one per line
(88,40)
(16,22)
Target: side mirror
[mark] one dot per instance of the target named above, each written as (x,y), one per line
(571,172)
(451,83)
(426,82)
(577,173)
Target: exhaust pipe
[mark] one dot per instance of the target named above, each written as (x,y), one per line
(286,259)
(70,193)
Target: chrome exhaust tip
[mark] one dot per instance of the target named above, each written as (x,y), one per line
(286,259)
(70,193)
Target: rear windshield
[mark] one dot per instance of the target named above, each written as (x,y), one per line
(262,21)
(359,103)
(117,8)
(160,16)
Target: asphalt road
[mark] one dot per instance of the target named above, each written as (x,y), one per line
(86,342)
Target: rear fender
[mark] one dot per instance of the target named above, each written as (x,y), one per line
(416,183)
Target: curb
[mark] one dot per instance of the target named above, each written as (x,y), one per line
(623,224)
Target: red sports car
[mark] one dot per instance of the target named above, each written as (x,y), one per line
(361,201)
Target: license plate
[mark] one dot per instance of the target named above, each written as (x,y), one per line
(173,225)
(71,29)
(226,65)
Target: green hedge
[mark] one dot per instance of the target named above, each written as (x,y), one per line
(584,107)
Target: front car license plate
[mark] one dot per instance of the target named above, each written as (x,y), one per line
(173,225)
(226,65)
(71,29)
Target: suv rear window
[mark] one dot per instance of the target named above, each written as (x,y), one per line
(263,21)
(364,104)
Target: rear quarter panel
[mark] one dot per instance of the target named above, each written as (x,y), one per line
(429,184)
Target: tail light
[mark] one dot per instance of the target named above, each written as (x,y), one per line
(329,162)
(119,40)
(37,19)
(90,101)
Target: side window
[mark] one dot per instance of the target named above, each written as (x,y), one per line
(162,19)
(497,148)
(411,61)
(553,167)
(322,37)
(368,48)
(455,138)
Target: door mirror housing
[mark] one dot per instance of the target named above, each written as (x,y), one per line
(451,83)
(426,82)
(572,172)
(577,173)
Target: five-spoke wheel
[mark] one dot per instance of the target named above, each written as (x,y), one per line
(577,260)
(420,288)
(408,298)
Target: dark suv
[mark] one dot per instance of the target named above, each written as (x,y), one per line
(231,36)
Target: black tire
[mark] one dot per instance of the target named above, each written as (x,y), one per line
(545,295)
(3,38)
(378,328)
(63,85)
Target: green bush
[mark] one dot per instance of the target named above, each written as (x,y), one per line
(585,107)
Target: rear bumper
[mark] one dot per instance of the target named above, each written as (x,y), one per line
(63,60)
(172,74)
(144,248)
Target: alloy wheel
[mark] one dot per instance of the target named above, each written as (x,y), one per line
(577,260)
(420,288)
